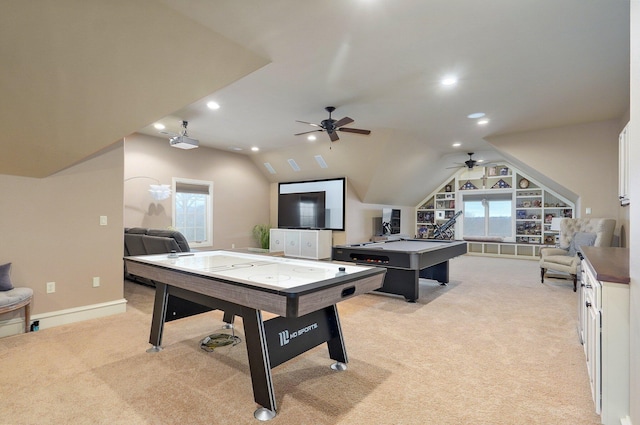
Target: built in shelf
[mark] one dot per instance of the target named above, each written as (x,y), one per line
(504,249)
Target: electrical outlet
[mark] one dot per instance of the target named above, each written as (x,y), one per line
(51,287)
(96,282)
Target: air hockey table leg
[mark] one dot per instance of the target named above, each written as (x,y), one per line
(337,350)
(228,320)
(259,364)
(158,318)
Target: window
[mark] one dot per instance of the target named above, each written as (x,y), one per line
(488,215)
(193,210)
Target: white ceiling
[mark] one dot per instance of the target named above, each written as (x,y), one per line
(527,64)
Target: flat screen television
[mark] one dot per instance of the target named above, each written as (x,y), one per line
(301,210)
(315,204)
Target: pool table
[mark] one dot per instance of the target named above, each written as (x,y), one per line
(406,261)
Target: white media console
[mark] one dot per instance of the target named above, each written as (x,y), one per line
(311,244)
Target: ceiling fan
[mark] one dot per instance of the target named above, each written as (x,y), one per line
(469,163)
(332,126)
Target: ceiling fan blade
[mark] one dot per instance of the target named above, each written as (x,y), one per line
(355,130)
(306,132)
(334,136)
(489,163)
(310,123)
(343,121)
(457,166)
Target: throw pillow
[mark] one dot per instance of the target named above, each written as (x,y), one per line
(5,277)
(581,239)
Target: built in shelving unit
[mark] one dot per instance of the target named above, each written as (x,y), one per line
(437,208)
(534,207)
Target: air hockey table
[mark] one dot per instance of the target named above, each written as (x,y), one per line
(406,261)
(302,293)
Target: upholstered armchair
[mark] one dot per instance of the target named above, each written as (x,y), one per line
(574,233)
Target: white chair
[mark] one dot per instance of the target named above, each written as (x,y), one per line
(574,233)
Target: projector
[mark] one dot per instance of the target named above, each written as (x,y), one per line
(183,142)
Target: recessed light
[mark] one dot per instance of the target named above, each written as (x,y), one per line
(293,164)
(311,138)
(255,149)
(213,105)
(457,144)
(159,126)
(476,115)
(269,168)
(449,81)
(483,121)
(321,162)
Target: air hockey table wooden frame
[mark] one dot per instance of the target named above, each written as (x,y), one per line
(307,313)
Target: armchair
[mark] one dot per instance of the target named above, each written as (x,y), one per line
(574,233)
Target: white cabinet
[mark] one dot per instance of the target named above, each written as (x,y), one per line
(623,167)
(312,244)
(604,327)
(276,240)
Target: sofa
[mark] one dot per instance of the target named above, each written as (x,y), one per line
(143,241)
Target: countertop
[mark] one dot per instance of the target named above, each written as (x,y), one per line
(611,264)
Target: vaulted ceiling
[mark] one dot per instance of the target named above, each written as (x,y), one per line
(80,75)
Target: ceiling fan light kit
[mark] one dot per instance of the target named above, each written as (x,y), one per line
(331,126)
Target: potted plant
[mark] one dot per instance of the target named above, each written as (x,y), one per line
(261,233)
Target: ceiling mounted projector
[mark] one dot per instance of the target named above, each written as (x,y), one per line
(183,141)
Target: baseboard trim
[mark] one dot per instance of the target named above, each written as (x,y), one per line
(51,319)
(625,421)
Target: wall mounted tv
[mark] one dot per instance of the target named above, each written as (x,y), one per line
(316,204)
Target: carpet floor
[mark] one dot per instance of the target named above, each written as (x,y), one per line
(495,346)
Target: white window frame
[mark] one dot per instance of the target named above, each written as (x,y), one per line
(209,219)
(493,196)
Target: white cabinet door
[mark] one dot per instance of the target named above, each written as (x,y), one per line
(309,244)
(592,350)
(276,240)
(292,243)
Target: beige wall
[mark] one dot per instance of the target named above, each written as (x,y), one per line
(583,158)
(358,217)
(240,191)
(50,232)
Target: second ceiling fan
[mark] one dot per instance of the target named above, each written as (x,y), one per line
(331,126)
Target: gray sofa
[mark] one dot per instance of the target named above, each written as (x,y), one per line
(143,241)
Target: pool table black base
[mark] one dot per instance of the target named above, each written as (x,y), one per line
(407,282)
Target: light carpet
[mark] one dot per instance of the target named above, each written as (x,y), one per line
(494,347)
